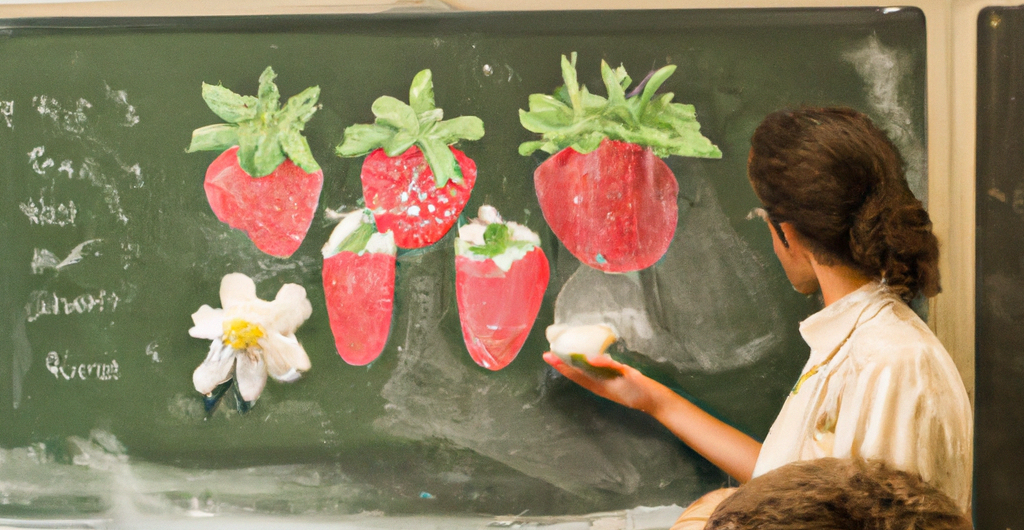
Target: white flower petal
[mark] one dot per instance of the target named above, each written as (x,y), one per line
(236,288)
(472,233)
(521,233)
(215,370)
(488,214)
(289,377)
(209,323)
(286,359)
(349,224)
(290,309)
(382,243)
(250,375)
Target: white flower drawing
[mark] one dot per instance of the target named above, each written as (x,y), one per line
(251,337)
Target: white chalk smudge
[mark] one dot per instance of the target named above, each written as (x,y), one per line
(702,307)
(44,259)
(68,120)
(152,351)
(7,111)
(43,303)
(885,70)
(120,97)
(93,172)
(60,214)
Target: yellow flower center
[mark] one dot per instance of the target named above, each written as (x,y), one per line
(241,334)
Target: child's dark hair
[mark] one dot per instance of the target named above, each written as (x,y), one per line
(839,180)
(838,494)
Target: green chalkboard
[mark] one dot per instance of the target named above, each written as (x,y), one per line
(109,246)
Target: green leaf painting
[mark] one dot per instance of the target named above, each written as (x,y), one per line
(398,126)
(266,133)
(574,117)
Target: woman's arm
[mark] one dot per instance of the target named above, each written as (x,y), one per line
(726,447)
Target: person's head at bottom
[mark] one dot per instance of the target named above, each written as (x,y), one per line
(838,494)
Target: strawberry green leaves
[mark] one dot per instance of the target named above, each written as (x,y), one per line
(399,126)
(267,133)
(498,239)
(573,117)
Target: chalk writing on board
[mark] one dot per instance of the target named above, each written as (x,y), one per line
(43,259)
(72,121)
(43,303)
(62,369)
(89,170)
(60,214)
(120,97)
(7,111)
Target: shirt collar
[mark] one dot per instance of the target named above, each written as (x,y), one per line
(828,328)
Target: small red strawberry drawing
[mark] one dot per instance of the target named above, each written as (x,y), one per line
(501,274)
(359,287)
(266,182)
(606,193)
(414,182)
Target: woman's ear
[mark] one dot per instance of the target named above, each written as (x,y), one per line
(793,240)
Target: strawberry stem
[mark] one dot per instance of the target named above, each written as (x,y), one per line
(398,126)
(266,134)
(573,117)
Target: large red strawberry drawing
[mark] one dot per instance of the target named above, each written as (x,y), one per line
(501,274)
(359,287)
(266,182)
(414,182)
(606,193)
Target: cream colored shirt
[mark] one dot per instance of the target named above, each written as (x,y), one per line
(878,385)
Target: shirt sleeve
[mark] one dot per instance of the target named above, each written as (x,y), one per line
(901,406)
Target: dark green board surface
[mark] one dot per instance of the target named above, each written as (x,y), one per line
(999,364)
(98,114)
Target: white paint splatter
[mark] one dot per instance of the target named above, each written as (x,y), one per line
(884,71)
(44,259)
(42,303)
(60,214)
(120,97)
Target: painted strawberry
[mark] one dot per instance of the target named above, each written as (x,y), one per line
(359,287)
(606,193)
(501,274)
(266,182)
(414,182)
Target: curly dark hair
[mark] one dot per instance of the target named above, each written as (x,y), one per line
(839,180)
(838,494)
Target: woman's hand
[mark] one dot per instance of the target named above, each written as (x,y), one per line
(629,388)
(722,444)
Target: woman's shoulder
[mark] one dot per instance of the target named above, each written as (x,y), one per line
(894,336)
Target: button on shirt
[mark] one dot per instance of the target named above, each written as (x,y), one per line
(878,385)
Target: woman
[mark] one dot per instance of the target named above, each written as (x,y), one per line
(878,384)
